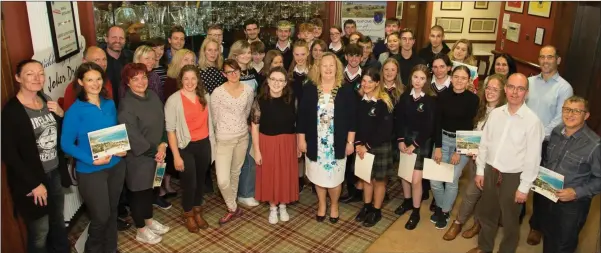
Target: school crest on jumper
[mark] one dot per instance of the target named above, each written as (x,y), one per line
(420,107)
(372,112)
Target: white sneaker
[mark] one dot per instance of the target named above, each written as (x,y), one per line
(147,236)
(250,202)
(273,215)
(283,213)
(157,228)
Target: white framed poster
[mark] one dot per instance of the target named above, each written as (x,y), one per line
(369,17)
(63,29)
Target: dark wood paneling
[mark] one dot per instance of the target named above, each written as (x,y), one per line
(86,22)
(13,230)
(414,18)
(19,41)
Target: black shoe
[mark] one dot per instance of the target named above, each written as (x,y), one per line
(122,225)
(334,220)
(433,205)
(404,207)
(426,195)
(363,212)
(301,184)
(122,212)
(320,218)
(413,221)
(443,220)
(160,202)
(436,214)
(352,198)
(372,218)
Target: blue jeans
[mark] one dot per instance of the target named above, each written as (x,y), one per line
(446,193)
(48,233)
(246,186)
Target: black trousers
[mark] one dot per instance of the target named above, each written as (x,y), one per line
(197,159)
(535,222)
(100,191)
(561,223)
(141,206)
(349,175)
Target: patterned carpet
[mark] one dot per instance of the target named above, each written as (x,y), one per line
(252,232)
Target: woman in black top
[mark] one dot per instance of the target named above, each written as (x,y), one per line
(273,116)
(374,130)
(210,62)
(457,109)
(35,163)
(415,121)
(273,58)
(299,69)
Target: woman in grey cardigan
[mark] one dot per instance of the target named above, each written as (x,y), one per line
(141,112)
(190,133)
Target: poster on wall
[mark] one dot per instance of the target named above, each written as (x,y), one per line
(540,8)
(63,29)
(369,16)
(58,74)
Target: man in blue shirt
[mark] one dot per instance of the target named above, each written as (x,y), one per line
(574,152)
(548,91)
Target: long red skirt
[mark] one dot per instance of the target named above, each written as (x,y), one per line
(277,177)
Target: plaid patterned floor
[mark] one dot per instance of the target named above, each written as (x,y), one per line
(253,233)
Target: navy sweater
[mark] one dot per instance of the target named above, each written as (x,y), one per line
(374,124)
(415,119)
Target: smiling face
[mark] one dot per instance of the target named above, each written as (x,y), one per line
(390,71)
(216,34)
(283,34)
(277,61)
(574,114)
(548,60)
(460,52)
(159,51)
(353,60)
(276,82)
(251,31)
(177,40)
(245,57)
(328,67)
(188,59)
(115,39)
(440,69)
(390,28)
(418,79)
(368,85)
(92,82)
(516,89)
(460,80)
(300,55)
(317,52)
(393,43)
(212,52)
(349,28)
(232,75)
(148,59)
(493,91)
(308,36)
(138,84)
(317,32)
(97,56)
(501,66)
(334,35)
(189,81)
(367,49)
(32,77)
(407,41)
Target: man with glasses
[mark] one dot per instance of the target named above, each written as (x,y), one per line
(408,58)
(548,93)
(574,152)
(283,32)
(507,164)
(216,32)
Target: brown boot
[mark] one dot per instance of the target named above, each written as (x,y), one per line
(201,222)
(473,231)
(189,222)
(452,232)
(534,237)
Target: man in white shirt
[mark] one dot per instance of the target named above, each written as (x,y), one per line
(507,164)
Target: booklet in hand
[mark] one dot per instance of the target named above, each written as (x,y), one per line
(547,183)
(159,173)
(108,141)
(364,166)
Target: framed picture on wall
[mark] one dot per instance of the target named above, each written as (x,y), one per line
(539,37)
(481,5)
(450,25)
(450,6)
(483,25)
(399,10)
(63,29)
(514,6)
(540,8)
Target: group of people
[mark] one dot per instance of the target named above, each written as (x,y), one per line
(266,119)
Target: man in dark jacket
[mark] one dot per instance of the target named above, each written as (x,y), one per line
(392,25)
(436,45)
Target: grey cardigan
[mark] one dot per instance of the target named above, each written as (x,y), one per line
(175,121)
(145,122)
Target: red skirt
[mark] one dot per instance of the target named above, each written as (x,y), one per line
(277,176)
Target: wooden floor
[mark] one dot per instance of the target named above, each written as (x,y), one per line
(426,238)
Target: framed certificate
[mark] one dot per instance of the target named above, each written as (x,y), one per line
(63,29)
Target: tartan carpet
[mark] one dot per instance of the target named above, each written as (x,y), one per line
(253,233)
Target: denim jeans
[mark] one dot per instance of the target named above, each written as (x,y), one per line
(48,233)
(446,193)
(246,187)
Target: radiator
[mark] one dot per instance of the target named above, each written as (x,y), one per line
(73,202)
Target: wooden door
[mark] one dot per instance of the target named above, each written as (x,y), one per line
(13,230)
(414,18)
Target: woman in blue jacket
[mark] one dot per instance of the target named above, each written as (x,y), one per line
(100,180)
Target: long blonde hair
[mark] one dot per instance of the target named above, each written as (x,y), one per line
(176,62)
(297,44)
(203,62)
(398,84)
(315,71)
(141,51)
(379,90)
(469,58)
(238,48)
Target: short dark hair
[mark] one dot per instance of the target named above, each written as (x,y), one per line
(437,28)
(349,22)
(130,70)
(156,42)
(215,27)
(250,22)
(257,47)
(391,21)
(25,62)
(79,75)
(353,49)
(407,30)
(440,56)
(232,64)
(365,40)
(317,22)
(176,29)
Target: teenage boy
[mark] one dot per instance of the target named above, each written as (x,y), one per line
(367,59)
(216,32)
(391,25)
(306,32)
(318,27)
(252,30)
(436,45)
(408,58)
(349,27)
(283,45)
(257,49)
(177,40)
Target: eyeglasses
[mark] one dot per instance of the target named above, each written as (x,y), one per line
(231,72)
(492,89)
(460,78)
(513,87)
(278,81)
(576,112)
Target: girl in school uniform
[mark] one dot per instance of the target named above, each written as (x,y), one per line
(374,131)
(415,121)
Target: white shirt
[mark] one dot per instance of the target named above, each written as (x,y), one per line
(444,84)
(352,76)
(512,144)
(421,93)
(297,70)
(277,45)
(335,48)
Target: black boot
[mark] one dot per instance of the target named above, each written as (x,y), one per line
(404,207)
(413,219)
(365,210)
(373,217)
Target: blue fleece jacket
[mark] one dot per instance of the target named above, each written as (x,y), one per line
(80,119)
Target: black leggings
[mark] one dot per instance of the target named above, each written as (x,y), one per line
(141,206)
(197,159)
